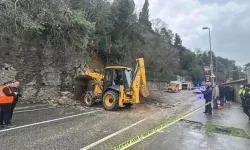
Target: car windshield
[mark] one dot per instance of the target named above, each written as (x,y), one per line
(172,84)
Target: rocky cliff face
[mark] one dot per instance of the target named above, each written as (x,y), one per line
(42,72)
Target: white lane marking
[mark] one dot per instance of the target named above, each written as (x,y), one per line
(47,108)
(26,107)
(33,110)
(48,121)
(20,108)
(114,134)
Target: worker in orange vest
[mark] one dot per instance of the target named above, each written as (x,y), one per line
(6,100)
(15,88)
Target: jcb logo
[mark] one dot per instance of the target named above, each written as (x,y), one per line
(137,81)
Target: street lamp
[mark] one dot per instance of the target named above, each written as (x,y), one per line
(211,55)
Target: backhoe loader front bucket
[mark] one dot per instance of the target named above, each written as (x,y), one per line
(144,91)
(82,84)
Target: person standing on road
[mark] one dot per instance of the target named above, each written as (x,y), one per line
(228,94)
(6,100)
(15,89)
(246,101)
(222,94)
(208,97)
(216,95)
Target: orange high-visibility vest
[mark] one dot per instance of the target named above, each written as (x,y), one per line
(3,98)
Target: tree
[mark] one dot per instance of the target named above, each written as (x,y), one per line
(144,16)
(247,65)
(122,16)
(167,35)
(205,58)
(188,60)
(177,40)
(110,30)
(44,23)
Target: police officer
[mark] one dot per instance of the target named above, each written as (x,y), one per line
(241,93)
(246,101)
(6,100)
(208,97)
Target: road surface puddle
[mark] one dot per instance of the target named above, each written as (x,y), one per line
(211,128)
(227,131)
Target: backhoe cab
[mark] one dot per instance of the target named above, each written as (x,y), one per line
(119,87)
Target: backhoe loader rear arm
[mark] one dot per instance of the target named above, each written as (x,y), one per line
(139,82)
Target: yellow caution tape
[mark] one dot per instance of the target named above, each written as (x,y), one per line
(143,136)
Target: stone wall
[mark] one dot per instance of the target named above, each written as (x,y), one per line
(42,72)
(157,85)
(45,73)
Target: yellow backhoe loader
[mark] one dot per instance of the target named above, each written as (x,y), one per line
(118,87)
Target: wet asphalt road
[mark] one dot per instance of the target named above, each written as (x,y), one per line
(79,127)
(69,133)
(190,134)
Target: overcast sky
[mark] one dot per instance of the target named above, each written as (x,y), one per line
(229,21)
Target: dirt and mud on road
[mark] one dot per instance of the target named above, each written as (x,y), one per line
(80,127)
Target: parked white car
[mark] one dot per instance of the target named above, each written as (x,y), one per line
(199,90)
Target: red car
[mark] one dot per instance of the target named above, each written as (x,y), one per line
(173,87)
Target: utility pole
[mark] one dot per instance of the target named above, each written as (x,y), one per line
(211,56)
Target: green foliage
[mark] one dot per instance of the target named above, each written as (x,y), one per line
(177,40)
(227,131)
(144,16)
(167,35)
(247,65)
(122,18)
(157,76)
(115,32)
(227,68)
(43,23)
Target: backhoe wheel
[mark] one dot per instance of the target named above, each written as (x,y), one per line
(110,100)
(128,105)
(88,100)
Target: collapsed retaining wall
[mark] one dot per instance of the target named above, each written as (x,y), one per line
(43,73)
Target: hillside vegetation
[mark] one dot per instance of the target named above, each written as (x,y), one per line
(112,30)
